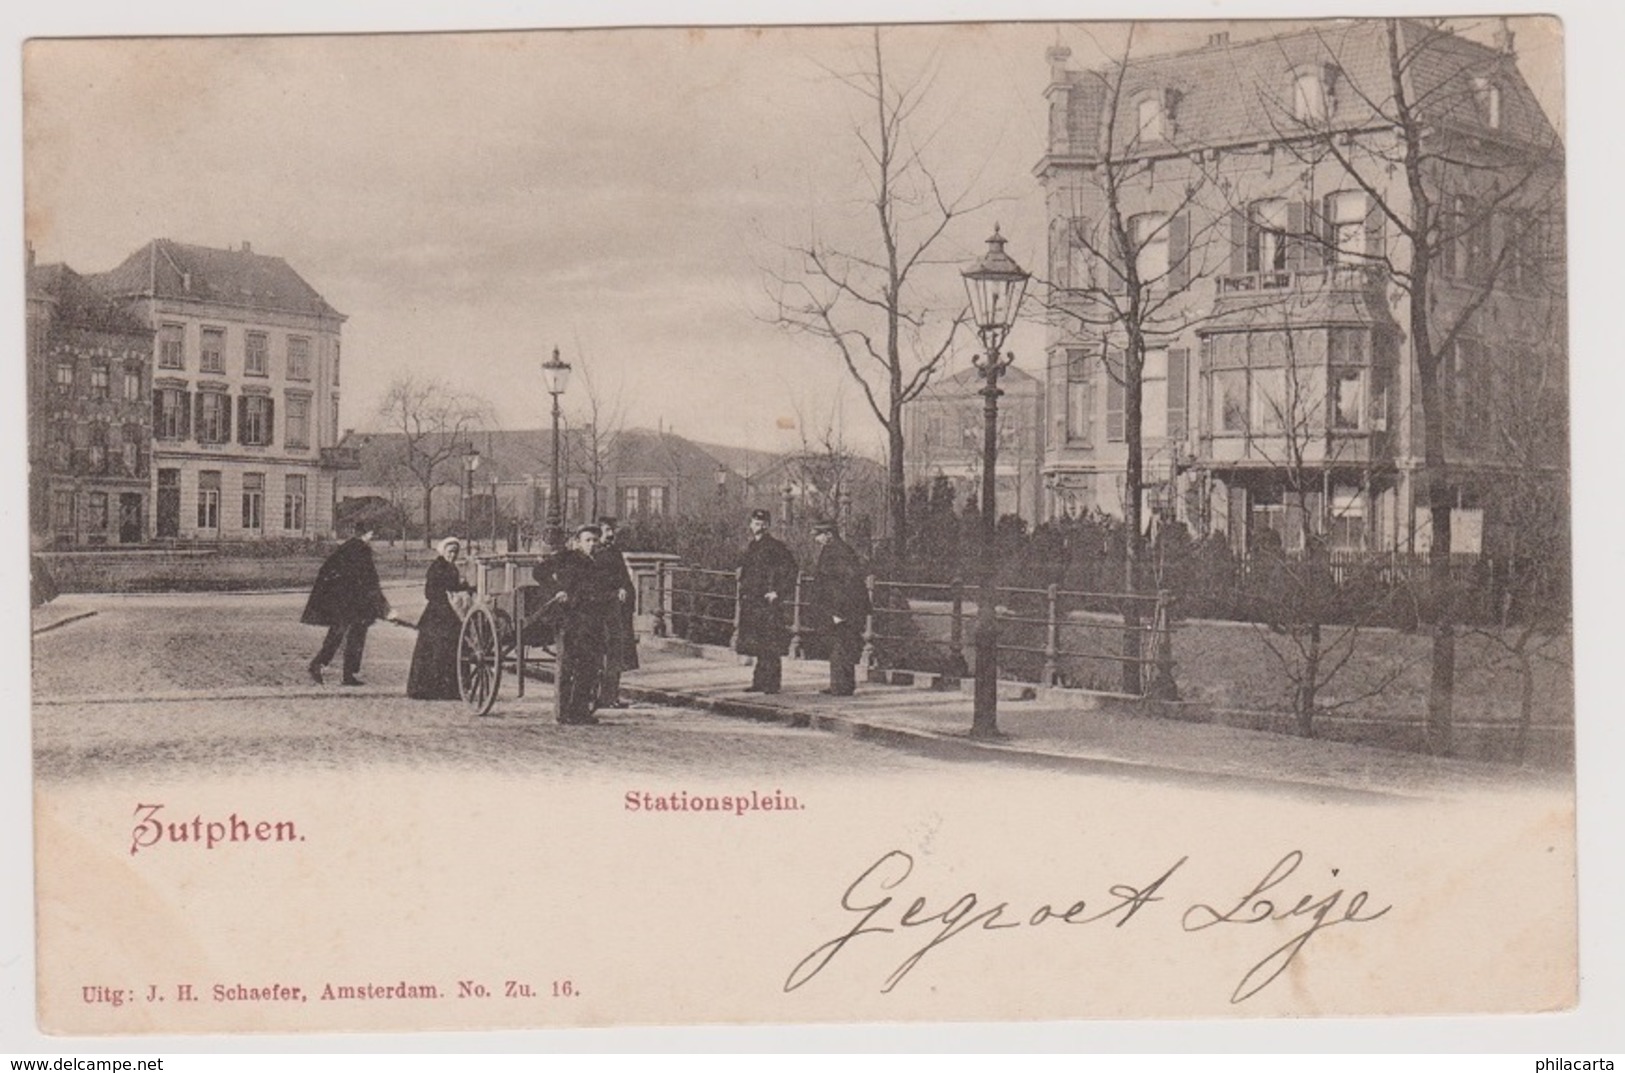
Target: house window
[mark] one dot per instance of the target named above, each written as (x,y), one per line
(1309,97)
(298,358)
(208,499)
(293,502)
(256,421)
(656,500)
(572,504)
(62,446)
(213,353)
(64,378)
(1345,218)
(96,450)
(1267,236)
(169,414)
(101,382)
(1347,528)
(213,417)
(1154,395)
(1347,401)
(254,501)
(171,346)
(1270,409)
(96,512)
(132,385)
(1230,401)
(130,450)
(256,354)
(1489,101)
(1078,396)
(630,501)
(298,431)
(1149,233)
(62,509)
(1149,116)
(1471,256)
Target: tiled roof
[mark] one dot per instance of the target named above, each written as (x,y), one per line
(166,269)
(79,304)
(1241,92)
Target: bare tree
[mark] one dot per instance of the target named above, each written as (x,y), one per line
(436,424)
(1123,276)
(866,298)
(598,422)
(1457,166)
(1310,624)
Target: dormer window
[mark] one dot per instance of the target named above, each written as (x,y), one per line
(1489,101)
(1149,116)
(1309,97)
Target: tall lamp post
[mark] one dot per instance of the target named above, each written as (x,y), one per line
(556,375)
(471,462)
(996,285)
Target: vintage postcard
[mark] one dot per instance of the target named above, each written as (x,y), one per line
(766,525)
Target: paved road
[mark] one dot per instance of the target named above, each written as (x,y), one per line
(191,683)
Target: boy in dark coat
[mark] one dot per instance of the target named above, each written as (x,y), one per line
(346,598)
(767,585)
(839,602)
(620,636)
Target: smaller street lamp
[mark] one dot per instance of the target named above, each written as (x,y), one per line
(471,462)
(995,285)
(494,483)
(556,377)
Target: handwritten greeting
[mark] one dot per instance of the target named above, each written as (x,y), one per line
(1274,899)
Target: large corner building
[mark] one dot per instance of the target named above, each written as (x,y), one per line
(1262,192)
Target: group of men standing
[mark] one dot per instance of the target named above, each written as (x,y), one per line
(837,604)
(590,592)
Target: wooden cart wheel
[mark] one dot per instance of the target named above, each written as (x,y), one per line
(479,661)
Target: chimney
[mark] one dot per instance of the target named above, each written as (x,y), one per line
(1504,38)
(246,247)
(1219,39)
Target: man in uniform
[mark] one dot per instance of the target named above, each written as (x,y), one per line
(767,585)
(620,634)
(582,601)
(346,598)
(839,602)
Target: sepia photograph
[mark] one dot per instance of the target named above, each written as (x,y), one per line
(701,524)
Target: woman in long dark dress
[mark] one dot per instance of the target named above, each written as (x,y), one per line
(434,659)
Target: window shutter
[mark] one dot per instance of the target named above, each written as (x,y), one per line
(158,410)
(270,422)
(242,419)
(1060,250)
(1298,240)
(1179,243)
(225,418)
(1178,391)
(186,414)
(1238,242)
(1114,397)
(1376,245)
(197,414)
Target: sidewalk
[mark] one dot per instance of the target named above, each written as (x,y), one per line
(1076,731)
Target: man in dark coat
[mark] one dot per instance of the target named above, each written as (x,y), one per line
(620,636)
(583,601)
(767,585)
(346,599)
(839,603)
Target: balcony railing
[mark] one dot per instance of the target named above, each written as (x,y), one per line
(1337,277)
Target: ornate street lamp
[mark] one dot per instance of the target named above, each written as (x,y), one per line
(996,285)
(471,462)
(556,375)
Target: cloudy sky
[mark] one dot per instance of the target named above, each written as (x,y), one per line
(472,200)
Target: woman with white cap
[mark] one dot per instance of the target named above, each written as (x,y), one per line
(434,659)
